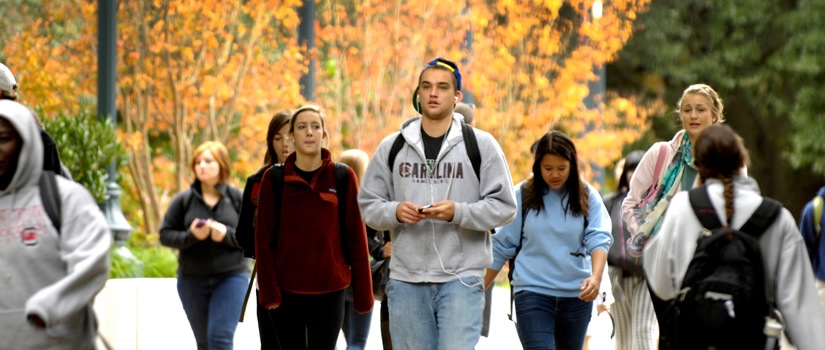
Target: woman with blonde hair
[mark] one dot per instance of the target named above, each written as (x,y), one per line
(667,167)
(212,272)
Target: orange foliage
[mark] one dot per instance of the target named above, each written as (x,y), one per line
(529,68)
(188,71)
(191,71)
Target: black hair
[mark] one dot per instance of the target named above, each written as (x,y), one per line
(275,124)
(556,143)
(630,163)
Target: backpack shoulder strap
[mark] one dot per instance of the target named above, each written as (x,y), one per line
(660,162)
(341,175)
(654,185)
(818,215)
(236,201)
(513,260)
(187,198)
(471,144)
(700,202)
(50,196)
(276,174)
(764,215)
(397,145)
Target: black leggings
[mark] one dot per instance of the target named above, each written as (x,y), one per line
(265,329)
(308,321)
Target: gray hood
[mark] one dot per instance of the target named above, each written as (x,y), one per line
(30,162)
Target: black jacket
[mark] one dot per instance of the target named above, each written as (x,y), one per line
(245,231)
(205,258)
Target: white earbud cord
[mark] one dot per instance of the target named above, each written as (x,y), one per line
(432,227)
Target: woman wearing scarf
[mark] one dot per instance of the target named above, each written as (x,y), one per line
(698,108)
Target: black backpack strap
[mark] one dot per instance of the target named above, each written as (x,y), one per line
(276,175)
(397,145)
(763,217)
(50,196)
(700,202)
(341,175)
(187,198)
(236,197)
(471,144)
(513,261)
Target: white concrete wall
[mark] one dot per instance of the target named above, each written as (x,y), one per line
(146,314)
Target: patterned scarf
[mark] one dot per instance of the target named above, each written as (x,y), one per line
(673,176)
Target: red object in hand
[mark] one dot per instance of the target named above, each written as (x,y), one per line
(200,223)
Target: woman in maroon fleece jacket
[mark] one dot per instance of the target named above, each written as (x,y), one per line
(302,273)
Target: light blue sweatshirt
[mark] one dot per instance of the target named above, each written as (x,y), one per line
(545,264)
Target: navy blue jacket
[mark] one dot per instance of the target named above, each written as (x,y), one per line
(806,227)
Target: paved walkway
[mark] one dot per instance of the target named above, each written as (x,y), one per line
(147,314)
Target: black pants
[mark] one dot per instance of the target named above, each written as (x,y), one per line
(386,339)
(265,328)
(307,321)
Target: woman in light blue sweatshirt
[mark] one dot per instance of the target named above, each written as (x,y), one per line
(561,226)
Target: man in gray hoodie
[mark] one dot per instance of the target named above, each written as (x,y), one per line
(440,213)
(49,276)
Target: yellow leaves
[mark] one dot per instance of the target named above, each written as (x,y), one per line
(188,54)
(212,42)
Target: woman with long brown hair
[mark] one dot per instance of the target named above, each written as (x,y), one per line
(277,149)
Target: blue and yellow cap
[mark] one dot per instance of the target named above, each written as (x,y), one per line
(449,65)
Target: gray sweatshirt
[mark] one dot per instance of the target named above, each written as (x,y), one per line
(462,246)
(784,255)
(53,276)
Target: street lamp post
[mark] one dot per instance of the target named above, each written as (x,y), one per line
(306,37)
(596,93)
(106,79)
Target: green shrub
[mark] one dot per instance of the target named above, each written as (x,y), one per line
(87,146)
(158,262)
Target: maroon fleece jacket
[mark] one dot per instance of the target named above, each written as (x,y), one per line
(305,256)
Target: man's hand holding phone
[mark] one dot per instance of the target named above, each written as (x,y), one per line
(443,210)
(408,212)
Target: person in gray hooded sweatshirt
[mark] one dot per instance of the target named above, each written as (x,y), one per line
(49,277)
(440,252)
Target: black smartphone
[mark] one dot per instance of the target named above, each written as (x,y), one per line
(421,209)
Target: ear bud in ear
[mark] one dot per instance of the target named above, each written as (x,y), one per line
(456,98)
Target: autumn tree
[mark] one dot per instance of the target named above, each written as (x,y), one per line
(189,71)
(529,69)
(764,58)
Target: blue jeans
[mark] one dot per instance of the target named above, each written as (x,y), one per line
(547,322)
(213,307)
(356,327)
(435,315)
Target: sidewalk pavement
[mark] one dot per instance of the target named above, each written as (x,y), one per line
(146,313)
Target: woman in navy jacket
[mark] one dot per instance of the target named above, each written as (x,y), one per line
(212,272)
(277,148)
